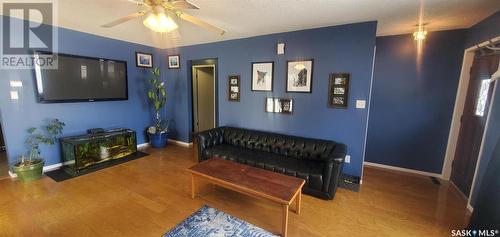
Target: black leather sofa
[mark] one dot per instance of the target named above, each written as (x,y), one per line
(318,162)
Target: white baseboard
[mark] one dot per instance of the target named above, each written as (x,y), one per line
(58,165)
(403,169)
(179,143)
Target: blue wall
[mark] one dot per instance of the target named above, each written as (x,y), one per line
(18,115)
(413,100)
(346,48)
(487,29)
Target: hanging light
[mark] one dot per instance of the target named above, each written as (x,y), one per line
(159,22)
(420,33)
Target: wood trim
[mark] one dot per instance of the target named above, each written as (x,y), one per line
(179,143)
(403,169)
(245,190)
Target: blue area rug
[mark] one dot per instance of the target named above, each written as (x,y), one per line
(211,222)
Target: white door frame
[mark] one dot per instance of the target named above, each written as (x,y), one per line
(458,111)
(215,89)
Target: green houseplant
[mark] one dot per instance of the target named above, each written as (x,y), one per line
(157,95)
(31,168)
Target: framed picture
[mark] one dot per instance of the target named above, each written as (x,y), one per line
(299,76)
(143,60)
(279,105)
(338,90)
(262,76)
(234,88)
(174,61)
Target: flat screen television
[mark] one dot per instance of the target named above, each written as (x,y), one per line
(80,79)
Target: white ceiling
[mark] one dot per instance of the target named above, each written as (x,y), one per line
(245,18)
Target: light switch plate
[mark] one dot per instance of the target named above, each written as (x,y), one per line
(360,104)
(347,159)
(16,84)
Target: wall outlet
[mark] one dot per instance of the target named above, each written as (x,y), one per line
(360,104)
(347,159)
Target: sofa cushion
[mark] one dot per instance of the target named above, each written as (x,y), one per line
(310,171)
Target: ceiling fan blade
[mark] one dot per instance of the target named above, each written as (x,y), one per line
(200,23)
(124,19)
(180,4)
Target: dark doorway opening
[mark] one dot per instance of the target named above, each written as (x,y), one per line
(203,95)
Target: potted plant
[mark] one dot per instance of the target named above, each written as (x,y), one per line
(157,94)
(31,168)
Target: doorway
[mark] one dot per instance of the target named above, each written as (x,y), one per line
(473,119)
(204,97)
(4,164)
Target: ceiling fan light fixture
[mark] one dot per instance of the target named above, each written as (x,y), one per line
(160,23)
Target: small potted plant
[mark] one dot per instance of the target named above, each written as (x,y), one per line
(31,168)
(157,95)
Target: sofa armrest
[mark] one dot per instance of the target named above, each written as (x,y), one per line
(333,169)
(338,154)
(207,139)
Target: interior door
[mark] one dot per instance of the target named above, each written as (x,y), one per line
(203,98)
(473,120)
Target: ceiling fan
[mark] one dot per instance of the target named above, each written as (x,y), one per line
(159,16)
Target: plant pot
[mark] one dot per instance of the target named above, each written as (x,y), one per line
(31,172)
(158,140)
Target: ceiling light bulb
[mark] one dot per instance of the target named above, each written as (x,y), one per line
(420,35)
(160,23)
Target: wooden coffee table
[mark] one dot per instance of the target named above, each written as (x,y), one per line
(260,183)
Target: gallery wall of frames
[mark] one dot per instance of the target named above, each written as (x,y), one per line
(299,79)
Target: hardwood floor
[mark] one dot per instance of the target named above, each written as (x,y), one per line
(148,196)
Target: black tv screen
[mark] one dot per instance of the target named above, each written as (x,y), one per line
(79,78)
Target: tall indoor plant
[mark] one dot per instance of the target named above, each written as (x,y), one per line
(157,95)
(31,168)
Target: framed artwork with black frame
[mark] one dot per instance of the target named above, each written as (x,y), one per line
(174,61)
(234,88)
(143,60)
(299,75)
(338,90)
(262,76)
(278,105)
